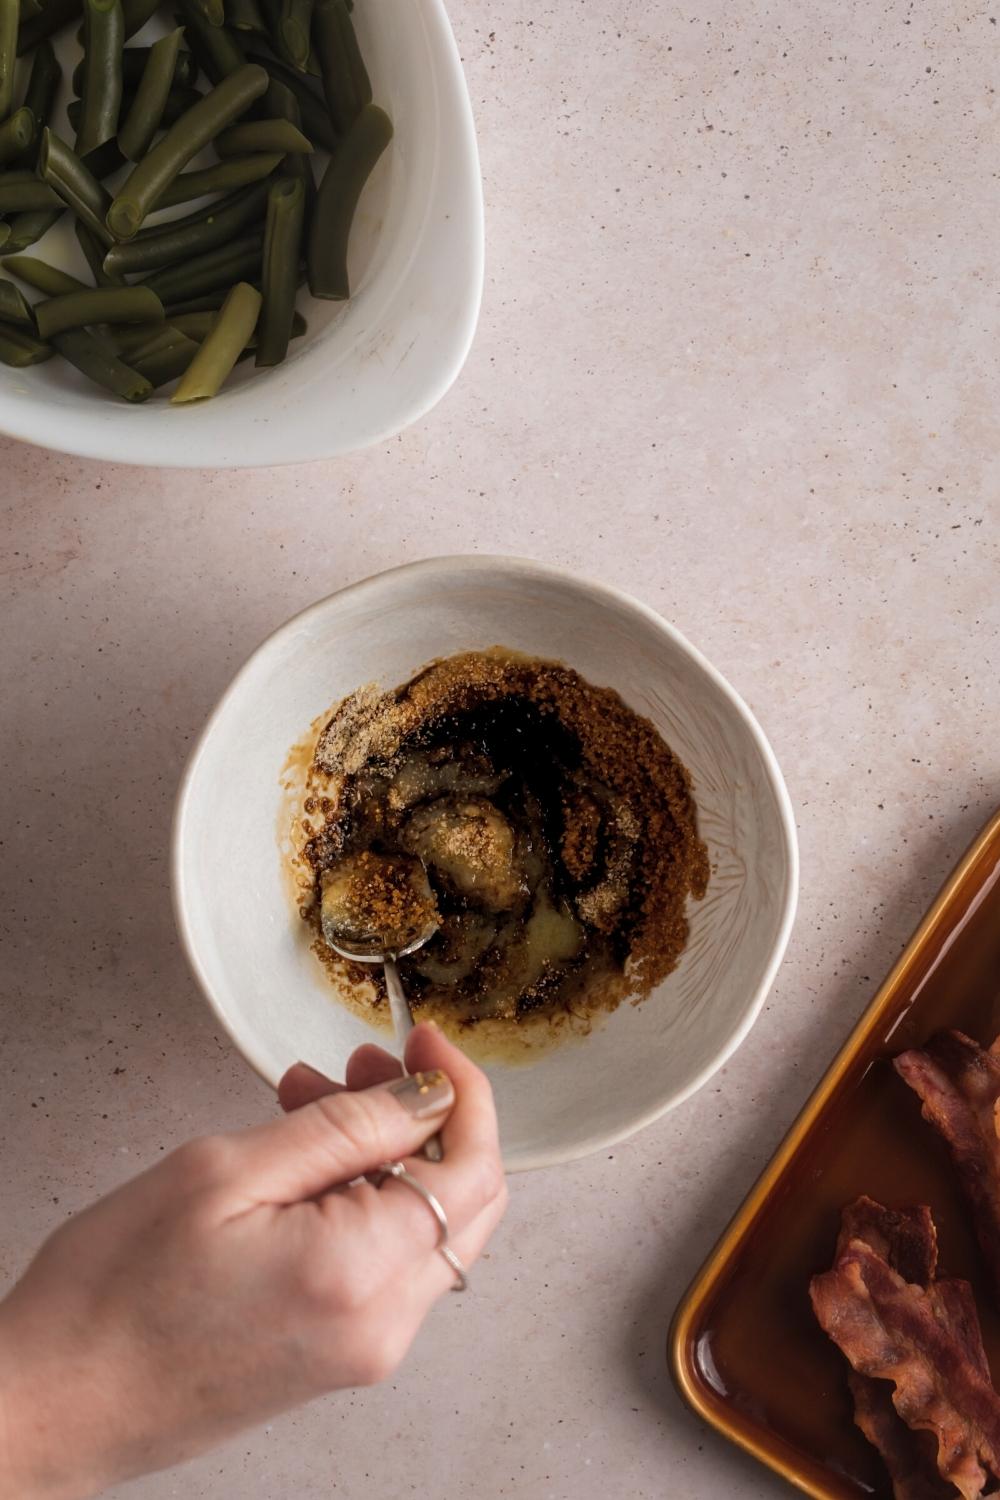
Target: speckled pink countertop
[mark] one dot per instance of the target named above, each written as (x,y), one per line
(738,355)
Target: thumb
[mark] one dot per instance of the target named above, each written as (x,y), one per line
(340,1137)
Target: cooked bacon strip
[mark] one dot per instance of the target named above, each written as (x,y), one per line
(958,1084)
(907,1239)
(891,1330)
(909,1456)
(956,1309)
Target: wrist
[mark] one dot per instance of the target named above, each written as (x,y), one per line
(39,1457)
(15,1463)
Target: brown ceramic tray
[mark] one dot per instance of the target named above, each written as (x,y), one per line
(744,1348)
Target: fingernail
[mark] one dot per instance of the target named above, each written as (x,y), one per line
(423,1094)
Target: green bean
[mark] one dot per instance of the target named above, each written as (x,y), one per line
(13,308)
(76,185)
(278,40)
(213,300)
(169,361)
(146,111)
(202,123)
(94,357)
(93,254)
(131,339)
(137,58)
(280,267)
(16,134)
(316,122)
(283,104)
(185,69)
(222,178)
(216,269)
(55,15)
(211,11)
(101,97)
(246,15)
(347,172)
(202,273)
(198,325)
(107,158)
(230,335)
(179,101)
(91,354)
(152,235)
(9,19)
(20,349)
(134,60)
(215,47)
(136,13)
(198,232)
(261,135)
(4,234)
(43,83)
(296,29)
(345,79)
(29,227)
(22,191)
(105,161)
(271,38)
(164,355)
(42,276)
(209,302)
(103,304)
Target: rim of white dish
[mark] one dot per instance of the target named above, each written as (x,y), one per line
(181,434)
(454,565)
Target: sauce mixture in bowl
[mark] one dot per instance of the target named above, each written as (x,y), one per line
(556,827)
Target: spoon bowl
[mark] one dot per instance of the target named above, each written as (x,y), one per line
(350,920)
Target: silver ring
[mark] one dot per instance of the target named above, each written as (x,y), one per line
(397,1170)
(461,1282)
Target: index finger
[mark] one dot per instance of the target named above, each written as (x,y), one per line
(471,1129)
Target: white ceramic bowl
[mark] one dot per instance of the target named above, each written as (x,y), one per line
(251,956)
(366,368)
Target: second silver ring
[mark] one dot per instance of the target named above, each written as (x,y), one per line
(397,1170)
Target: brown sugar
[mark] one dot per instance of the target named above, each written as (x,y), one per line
(372,898)
(579,795)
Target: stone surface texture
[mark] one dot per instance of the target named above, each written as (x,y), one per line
(738,355)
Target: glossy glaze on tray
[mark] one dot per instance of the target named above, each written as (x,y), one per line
(745,1348)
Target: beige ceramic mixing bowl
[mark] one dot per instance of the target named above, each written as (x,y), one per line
(251,955)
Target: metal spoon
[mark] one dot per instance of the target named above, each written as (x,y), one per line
(353,935)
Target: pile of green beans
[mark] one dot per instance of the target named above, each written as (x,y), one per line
(277,89)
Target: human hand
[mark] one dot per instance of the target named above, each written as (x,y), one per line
(241,1276)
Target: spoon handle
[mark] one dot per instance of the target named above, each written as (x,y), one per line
(399,1006)
(402,1020)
